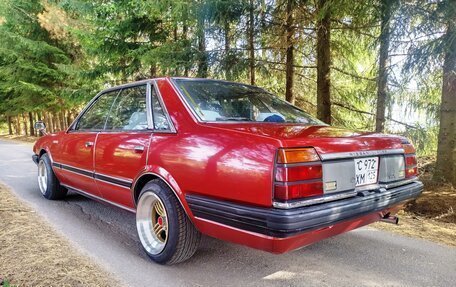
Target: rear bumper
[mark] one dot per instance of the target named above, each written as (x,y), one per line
(297,227)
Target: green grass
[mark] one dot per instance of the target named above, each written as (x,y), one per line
(5,283)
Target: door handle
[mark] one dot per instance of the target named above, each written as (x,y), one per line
(139,148)
(88,144)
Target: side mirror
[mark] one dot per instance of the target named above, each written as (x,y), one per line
(40,126)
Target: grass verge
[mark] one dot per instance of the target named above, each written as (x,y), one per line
(33,254)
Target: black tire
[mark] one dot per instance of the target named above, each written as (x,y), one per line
(52,190)
(182,238)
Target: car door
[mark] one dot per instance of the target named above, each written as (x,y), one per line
(121,149)
(76,147)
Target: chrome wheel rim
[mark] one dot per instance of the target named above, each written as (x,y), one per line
(152,223)
(42,176)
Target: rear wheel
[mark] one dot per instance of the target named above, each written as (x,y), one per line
(166,233)
(47,181)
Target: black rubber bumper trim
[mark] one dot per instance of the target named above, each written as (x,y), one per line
(287,222)
(93,175)
(35,159)
(113,180)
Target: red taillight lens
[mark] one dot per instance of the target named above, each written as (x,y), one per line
(298,174)
(411,169)
(289,192)
(411,172)
(410,160)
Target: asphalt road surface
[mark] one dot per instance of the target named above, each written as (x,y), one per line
(364,257)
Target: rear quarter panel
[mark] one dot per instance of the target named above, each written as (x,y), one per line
(220,164)
(215,162)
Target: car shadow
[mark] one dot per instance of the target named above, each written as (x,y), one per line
(366,255)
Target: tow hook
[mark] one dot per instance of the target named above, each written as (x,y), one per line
(390,219)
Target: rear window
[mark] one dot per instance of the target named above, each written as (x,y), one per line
(226,101)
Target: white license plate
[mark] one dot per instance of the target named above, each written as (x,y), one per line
(366,170)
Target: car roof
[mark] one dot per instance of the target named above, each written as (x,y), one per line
(145,81)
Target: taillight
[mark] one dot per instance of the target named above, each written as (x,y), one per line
(298,174)
(297,155)
(411,168)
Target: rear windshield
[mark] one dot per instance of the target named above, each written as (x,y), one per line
(226,101)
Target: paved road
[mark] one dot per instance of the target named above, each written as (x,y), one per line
(364,257)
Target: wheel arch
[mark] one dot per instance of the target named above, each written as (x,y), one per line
(42,151)
(146,177)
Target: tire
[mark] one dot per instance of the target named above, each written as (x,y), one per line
(47,181)
(174,238)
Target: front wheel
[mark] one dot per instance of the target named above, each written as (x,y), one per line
(47,181)
(166,233)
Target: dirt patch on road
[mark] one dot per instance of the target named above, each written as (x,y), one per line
(21,138)
(33,254)
(432,216)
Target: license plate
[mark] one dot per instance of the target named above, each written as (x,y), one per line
(366,170)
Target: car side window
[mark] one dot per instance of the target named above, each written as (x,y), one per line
(160,120)
(129,110)
(94,118)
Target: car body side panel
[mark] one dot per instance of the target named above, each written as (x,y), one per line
(231,162)
(50,144)
(75,156)
(220,163)
(118,160)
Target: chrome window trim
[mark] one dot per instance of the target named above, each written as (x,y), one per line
(98,198)
(198,118)
(92,101)
(172,129)
(150,119)
(72,129)
(355,154)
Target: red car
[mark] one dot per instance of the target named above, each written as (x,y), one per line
(232,161)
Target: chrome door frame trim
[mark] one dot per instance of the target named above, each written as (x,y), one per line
(172,129)
(150,119)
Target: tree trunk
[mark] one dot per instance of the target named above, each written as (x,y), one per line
(51,122)
(263,31)
(446,150)
(56,121)
(290,59)
(184,37)
(153,71)
(69,118)
(228,59)
(31,124)
(24,120)
(323,62)
(10,125)
(202,55)
(18,125)
(176,68)
(382,80)
(251,46)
